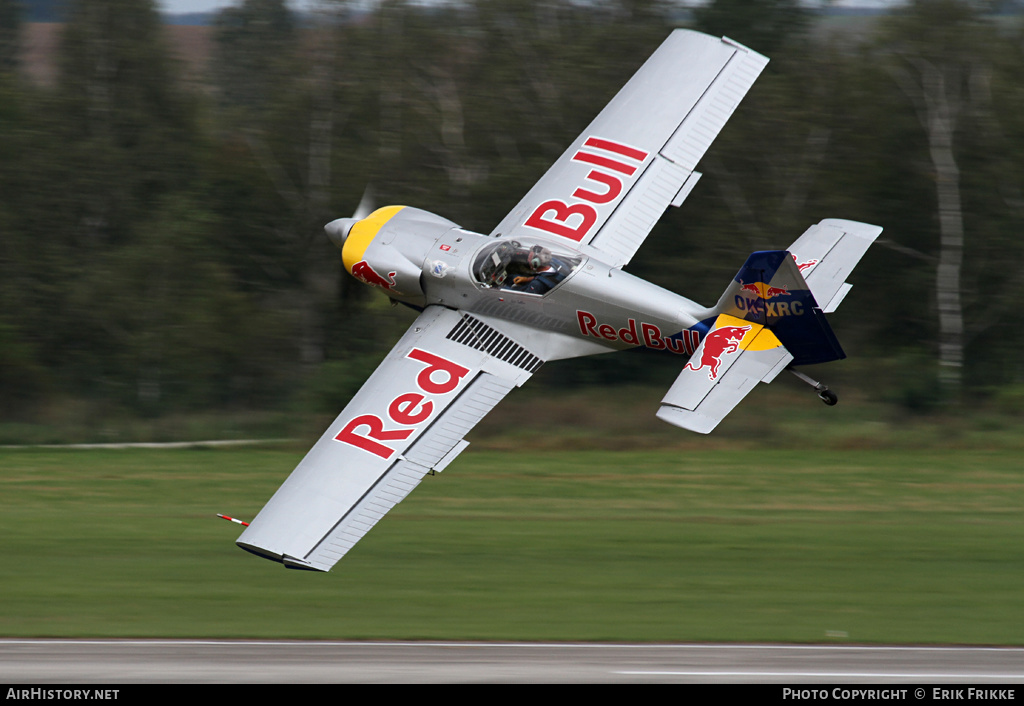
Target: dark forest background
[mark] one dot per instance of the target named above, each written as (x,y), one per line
(161,243)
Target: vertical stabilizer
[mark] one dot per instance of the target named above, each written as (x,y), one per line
(771,291)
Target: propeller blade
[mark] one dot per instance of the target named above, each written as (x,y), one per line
(366,204)
(338,229)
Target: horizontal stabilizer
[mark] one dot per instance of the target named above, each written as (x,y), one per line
(827,253)
(731,359)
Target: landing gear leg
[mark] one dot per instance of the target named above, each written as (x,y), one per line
(826,395)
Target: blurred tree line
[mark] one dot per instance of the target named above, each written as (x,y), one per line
(161,243)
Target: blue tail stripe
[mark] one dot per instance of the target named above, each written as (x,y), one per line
(761,266)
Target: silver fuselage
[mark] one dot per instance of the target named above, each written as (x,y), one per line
(596,302)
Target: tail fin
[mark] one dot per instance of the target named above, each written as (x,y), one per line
(768,319)
(770,290)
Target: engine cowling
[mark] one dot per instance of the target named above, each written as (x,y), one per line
(387,248)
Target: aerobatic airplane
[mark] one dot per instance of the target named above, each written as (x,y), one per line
(546,284)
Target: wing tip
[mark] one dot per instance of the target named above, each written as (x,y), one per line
(687,419)
(260,552)
(289,562)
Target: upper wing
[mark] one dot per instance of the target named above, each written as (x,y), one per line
(638,156)
(447,372)
(730,360)
(827,252)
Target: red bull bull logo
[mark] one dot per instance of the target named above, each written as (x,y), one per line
(761,302)
(364,273)
(719,343)
(804,265)
(763,290)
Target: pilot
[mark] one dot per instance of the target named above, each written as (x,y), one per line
(543,271)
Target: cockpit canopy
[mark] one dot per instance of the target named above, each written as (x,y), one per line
(521,266)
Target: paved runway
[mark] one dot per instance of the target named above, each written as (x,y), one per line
(34,662)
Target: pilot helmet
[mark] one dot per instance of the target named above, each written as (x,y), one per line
(539,258)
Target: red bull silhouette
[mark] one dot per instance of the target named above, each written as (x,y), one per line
(754,288)
(763,290)
(367,274)
(716,344)
(804,265)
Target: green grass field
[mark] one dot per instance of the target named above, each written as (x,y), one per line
(884,545)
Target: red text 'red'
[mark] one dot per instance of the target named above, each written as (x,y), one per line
(408,410)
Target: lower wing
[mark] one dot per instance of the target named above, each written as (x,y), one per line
(445,374)
(731,359)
